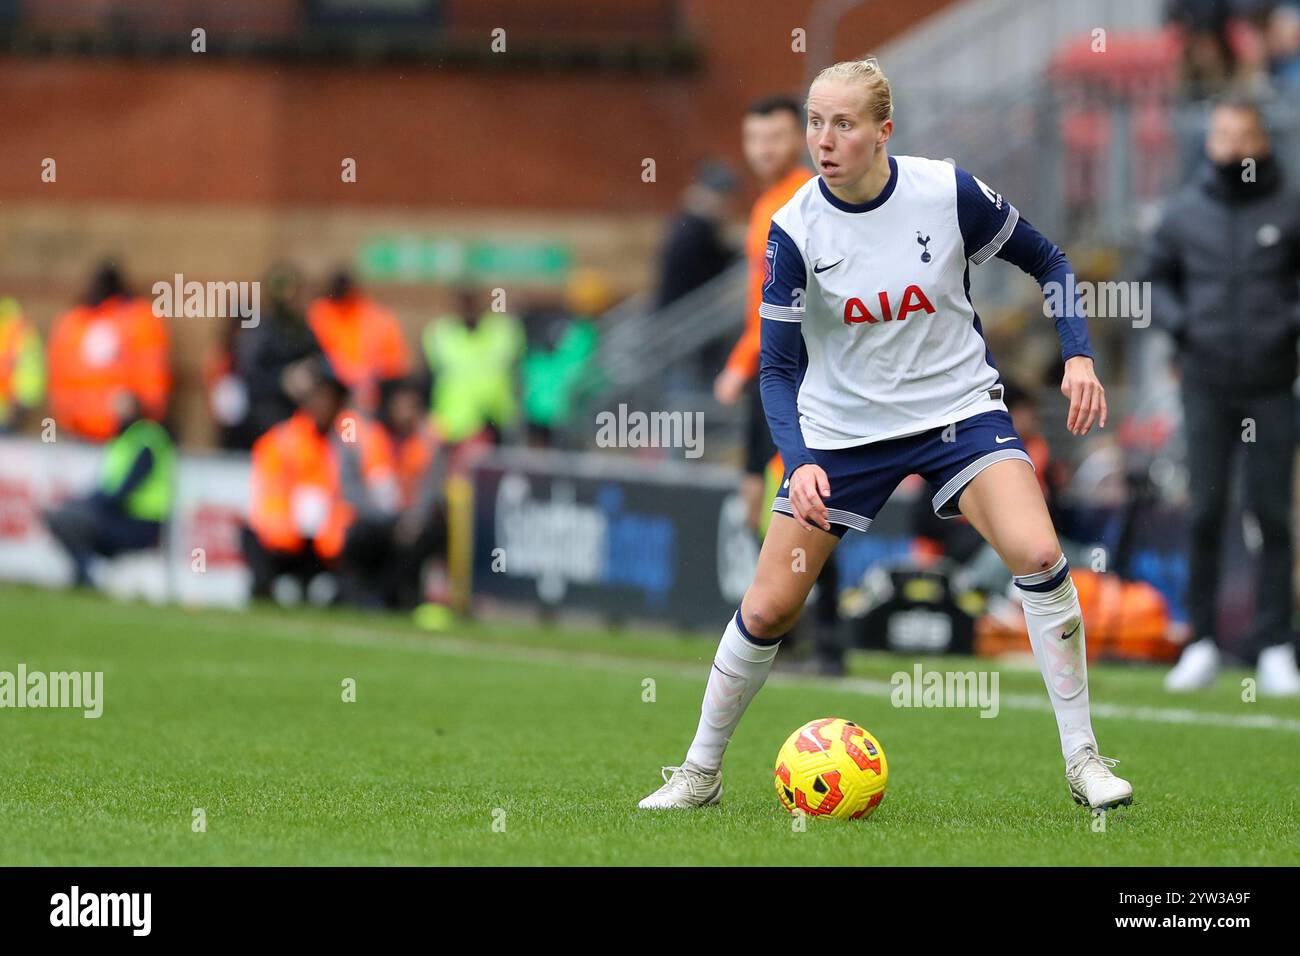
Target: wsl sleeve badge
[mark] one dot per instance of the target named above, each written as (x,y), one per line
(769,264)
(831,768)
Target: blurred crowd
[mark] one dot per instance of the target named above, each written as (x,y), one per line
(1248,45)
(352,429)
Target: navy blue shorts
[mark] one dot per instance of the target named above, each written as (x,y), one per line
(863,477)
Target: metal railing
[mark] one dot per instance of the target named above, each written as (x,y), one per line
(649,359)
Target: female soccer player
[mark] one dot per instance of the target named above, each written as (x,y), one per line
(874,367)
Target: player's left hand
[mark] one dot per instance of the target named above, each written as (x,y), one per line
(1087,397)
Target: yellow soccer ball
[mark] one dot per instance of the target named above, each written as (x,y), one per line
(831,768)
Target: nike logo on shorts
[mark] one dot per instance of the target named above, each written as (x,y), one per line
(1000,440)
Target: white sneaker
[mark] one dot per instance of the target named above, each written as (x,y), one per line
(322,589)
(286,591)
(1278,675)
(689,786)
(1091,782)
(1196,669)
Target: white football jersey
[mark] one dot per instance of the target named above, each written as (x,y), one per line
(893,345)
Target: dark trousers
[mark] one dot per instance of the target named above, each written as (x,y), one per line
(382,569)
(1213,420)
(266,564)
(87,527)
(828,636)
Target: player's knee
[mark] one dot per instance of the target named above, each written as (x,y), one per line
(1039,556)
(767,618)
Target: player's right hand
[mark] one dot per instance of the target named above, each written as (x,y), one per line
(809,486)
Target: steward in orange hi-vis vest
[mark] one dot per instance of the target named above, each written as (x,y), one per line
(744,355)
(361,339)
(300,481)
(111,343)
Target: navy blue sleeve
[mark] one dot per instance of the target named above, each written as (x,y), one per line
(991,226)
(985,217)
(782,357)
(140,469)
(1032,252)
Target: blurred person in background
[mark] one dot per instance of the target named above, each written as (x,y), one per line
(696,248)
(417,531)
(361,339)
(1249,37)
(556,375)
(134,497)
(1209,61)
(315,475)
(473,355)
(255,379)
(22,366)
(1283,41)
(1223,265)
(772,138)
(109,343)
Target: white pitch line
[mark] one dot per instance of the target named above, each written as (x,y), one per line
(1158,715)
(466,647)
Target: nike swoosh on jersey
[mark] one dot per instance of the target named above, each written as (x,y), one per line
(817,268)
(1000,440)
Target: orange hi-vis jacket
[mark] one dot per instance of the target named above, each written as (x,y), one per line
(743,360)
(298,482)
(363,343)
(97,351)
(414,457)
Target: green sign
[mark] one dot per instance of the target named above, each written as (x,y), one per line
(407,258)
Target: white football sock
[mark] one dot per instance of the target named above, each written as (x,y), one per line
(1055,622)
(739,669)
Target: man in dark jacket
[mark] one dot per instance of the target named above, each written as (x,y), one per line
(272,360)
(1224,266)
(696,249)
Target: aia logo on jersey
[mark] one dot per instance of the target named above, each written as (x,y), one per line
(914,300)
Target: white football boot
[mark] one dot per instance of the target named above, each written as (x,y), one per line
(1196,669)
(1278,675)
(1091,782)
(689,786)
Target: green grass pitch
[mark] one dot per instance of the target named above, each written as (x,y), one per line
(545,733)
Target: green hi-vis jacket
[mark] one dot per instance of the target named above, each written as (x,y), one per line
(151,499)
(473,373)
